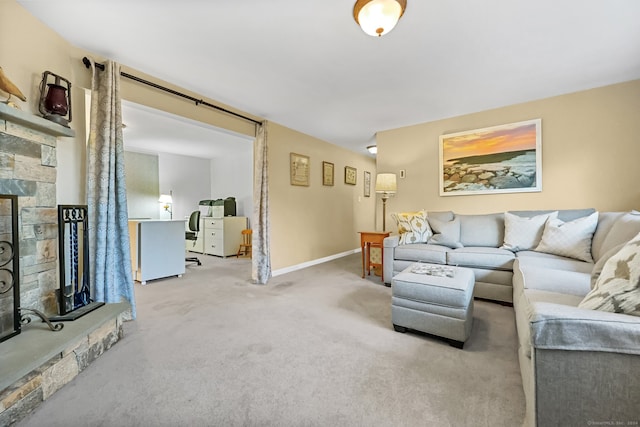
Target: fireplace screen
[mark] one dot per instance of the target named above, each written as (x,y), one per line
(9,267)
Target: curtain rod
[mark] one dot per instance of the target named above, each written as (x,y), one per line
(87,64)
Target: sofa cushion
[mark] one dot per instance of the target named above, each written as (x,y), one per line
(618,288)
(445,233)
(558,262)
(552,280)
(481,257)
(413,227)
(605,222)
(622,230)
(441,215)
(570,239)
(482,230)
(524,233)
(422,252)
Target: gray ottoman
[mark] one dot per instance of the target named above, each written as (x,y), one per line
(436,305)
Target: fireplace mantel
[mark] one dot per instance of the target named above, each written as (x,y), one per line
(31,121)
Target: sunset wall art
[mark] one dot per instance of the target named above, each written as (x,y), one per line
(497,159)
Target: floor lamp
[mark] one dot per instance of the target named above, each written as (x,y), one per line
(387,186)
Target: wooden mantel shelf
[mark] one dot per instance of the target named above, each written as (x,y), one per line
(32,121)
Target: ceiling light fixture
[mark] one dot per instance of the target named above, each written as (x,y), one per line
(378,17)
(373,149)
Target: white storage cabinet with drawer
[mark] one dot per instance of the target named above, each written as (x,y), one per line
(222,236)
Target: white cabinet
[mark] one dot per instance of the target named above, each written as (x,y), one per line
(156,249)
(222,236)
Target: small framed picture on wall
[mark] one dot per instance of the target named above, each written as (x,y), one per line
(327,173)
(367,184)
(350,175)
(299,168)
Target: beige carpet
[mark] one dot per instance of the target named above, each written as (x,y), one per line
(313,348)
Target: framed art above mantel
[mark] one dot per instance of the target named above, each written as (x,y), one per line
(498,159)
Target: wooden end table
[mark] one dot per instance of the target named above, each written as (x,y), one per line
(368,240)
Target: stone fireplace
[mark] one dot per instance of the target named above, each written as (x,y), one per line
(37,362)
(28,170)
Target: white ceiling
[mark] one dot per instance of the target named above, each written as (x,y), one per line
(152,131)
(307,65)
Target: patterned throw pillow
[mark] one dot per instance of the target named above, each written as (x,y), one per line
(413,227)
(618,288)
(522,233)
(570,239)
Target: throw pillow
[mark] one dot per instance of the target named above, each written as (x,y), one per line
(523,234)
(569,239)
(622,230)
(413,227)
(618,288)
(445,233)
(596,271)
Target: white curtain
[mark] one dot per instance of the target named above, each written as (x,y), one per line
(109,251)
(261,261)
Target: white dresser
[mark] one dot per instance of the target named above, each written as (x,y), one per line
(222,236)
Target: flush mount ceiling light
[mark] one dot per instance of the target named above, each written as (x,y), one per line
(378,17)
(373,149)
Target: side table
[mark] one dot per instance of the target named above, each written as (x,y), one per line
(368,240)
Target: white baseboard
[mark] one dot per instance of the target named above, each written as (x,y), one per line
(285,270)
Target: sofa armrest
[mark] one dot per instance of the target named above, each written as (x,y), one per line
(391,241)
(388,247)
(562,327)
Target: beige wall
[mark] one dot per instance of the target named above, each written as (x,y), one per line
(27,49)
(590,152)
(317,221)
(307,223)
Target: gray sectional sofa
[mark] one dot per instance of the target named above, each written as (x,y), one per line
(579,366)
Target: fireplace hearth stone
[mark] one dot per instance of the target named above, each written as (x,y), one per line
(37,363)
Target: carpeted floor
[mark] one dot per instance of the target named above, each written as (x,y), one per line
(313,348)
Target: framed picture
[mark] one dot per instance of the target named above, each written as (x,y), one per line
(498,159)
(299,168)
(350,175)
(367,184)
(327,173)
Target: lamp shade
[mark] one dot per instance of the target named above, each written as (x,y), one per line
(378,17)
(165,198)
(386,183)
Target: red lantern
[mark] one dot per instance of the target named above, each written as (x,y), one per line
(55,98)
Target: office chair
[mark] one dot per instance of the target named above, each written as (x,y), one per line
(192,234)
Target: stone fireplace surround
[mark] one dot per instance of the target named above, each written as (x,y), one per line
(37,362)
